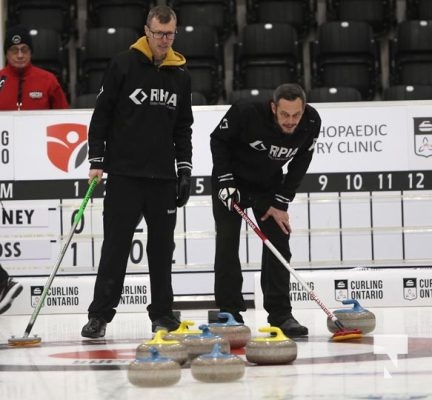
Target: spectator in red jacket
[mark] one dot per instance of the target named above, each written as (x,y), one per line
(24,86)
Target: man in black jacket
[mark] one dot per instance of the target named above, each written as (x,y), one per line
(140,135)
(250,147)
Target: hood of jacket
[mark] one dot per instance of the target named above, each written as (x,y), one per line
(172,59)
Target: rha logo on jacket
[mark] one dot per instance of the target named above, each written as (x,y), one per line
(157,97)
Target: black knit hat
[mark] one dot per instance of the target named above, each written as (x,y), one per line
(17,35)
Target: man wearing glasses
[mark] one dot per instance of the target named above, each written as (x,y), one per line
(140,135)
(24,86)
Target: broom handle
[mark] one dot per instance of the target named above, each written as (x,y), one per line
(279,256)
(47,286)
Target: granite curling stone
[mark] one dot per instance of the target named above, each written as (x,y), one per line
(182,331)
(272,350)
(204,343)
(237,334)
(172,349)
(216,367)
(353,318)
(154,371)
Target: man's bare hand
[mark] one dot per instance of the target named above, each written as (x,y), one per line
(95,172)
(280,217)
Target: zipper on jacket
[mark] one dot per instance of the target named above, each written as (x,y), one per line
(19,94)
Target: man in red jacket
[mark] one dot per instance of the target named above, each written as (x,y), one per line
(22,85)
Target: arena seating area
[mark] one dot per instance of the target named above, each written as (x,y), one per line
(338,50)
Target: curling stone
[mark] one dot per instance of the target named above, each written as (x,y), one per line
(167,348)
(355,318)
(275,349)
(204,343)
(237,334)
(154,371)
(217,367)
(182,331)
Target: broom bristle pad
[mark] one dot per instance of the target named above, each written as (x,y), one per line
(22,342)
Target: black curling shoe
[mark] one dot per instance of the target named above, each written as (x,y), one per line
(167,322)
(94,328)
(291,327)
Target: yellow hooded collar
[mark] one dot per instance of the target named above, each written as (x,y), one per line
(172,59)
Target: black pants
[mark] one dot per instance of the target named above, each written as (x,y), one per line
(4,276)
(126,199)
(275,278)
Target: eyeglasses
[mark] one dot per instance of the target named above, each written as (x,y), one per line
(160,35)
(16,49)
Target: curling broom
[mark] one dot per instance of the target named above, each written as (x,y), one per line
(25,340)
(342,333)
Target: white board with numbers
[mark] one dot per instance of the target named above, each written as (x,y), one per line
(365,201)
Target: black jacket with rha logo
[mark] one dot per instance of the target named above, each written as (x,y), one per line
(249,152)
(141,124)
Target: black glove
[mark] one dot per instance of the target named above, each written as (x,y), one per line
(183,189)
(228,196)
